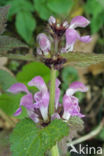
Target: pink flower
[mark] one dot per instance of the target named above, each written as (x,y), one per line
(71,107)
(58,30)
(26,100)
(44,44)
(72,35)
(79,21)
(37,105)
(52,20)
(75,87)
(40,100)
(70,102)
(41,97)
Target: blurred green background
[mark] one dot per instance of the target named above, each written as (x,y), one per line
(27,17)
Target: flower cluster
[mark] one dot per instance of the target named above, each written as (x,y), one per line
(37,105)
(59,31)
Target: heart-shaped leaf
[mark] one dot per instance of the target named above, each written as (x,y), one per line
(28,140)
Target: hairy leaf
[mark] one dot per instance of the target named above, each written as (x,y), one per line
(27,57)
(9,43)
(76,125)
(3,18)
(28,140)
(76,59)
(82,59)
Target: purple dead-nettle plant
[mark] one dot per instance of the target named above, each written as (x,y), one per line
(44,105)
(37,105)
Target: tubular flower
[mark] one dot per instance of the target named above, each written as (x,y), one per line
(61,38)
(52,20)
(58,30)
(41,97)
(44,44)
(70,102)
(33,103)
(37,105)
(72,35)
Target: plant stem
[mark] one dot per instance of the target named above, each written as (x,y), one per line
(54,151)
(52,91)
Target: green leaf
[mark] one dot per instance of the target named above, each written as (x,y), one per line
(3,18)
(18,6)
(3,2)
(27,57)
(42,9)
(6,80)
(28,140)
(76,123)
(82,59)
(97,22)
(93,7)
(9,103)
(60,6)
(69,74)
(96,10)
(33,69)
(9,43)
(25,25)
